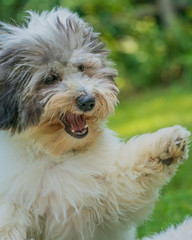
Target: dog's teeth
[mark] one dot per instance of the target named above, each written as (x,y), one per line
(73,131)
(86,126)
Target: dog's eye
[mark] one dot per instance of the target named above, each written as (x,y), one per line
(81,68)
(51,79)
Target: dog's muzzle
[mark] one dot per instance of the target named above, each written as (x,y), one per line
(75,124)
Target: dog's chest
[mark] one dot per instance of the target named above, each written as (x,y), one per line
(67,198)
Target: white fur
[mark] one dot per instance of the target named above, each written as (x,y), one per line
(182,231)
(98,194)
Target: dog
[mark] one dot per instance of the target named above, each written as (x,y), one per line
(63,174)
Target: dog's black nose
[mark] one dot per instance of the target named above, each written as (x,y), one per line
(85,103)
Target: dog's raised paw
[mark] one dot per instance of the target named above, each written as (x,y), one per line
(176,150)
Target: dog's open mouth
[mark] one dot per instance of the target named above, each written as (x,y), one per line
(75,125)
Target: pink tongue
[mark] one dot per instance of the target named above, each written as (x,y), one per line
(76,122)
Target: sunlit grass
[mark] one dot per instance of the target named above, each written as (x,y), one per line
(152,111)
(149,112)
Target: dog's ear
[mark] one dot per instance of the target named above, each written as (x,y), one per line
(8,107)
(8,102)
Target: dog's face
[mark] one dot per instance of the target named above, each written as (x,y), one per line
(55,81)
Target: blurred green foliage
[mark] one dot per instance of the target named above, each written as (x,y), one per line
(145,53)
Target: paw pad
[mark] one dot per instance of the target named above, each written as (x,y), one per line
(167,161)
(176,151)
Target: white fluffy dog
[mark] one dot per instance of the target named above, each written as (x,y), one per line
(63,175)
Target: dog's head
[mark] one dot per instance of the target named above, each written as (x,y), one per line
(55,80)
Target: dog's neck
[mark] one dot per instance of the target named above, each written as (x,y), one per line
(52,146)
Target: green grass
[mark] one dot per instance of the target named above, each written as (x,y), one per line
(149,112)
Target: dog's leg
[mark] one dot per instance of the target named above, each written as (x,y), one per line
(144,164)
(13,222)
(153,158)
